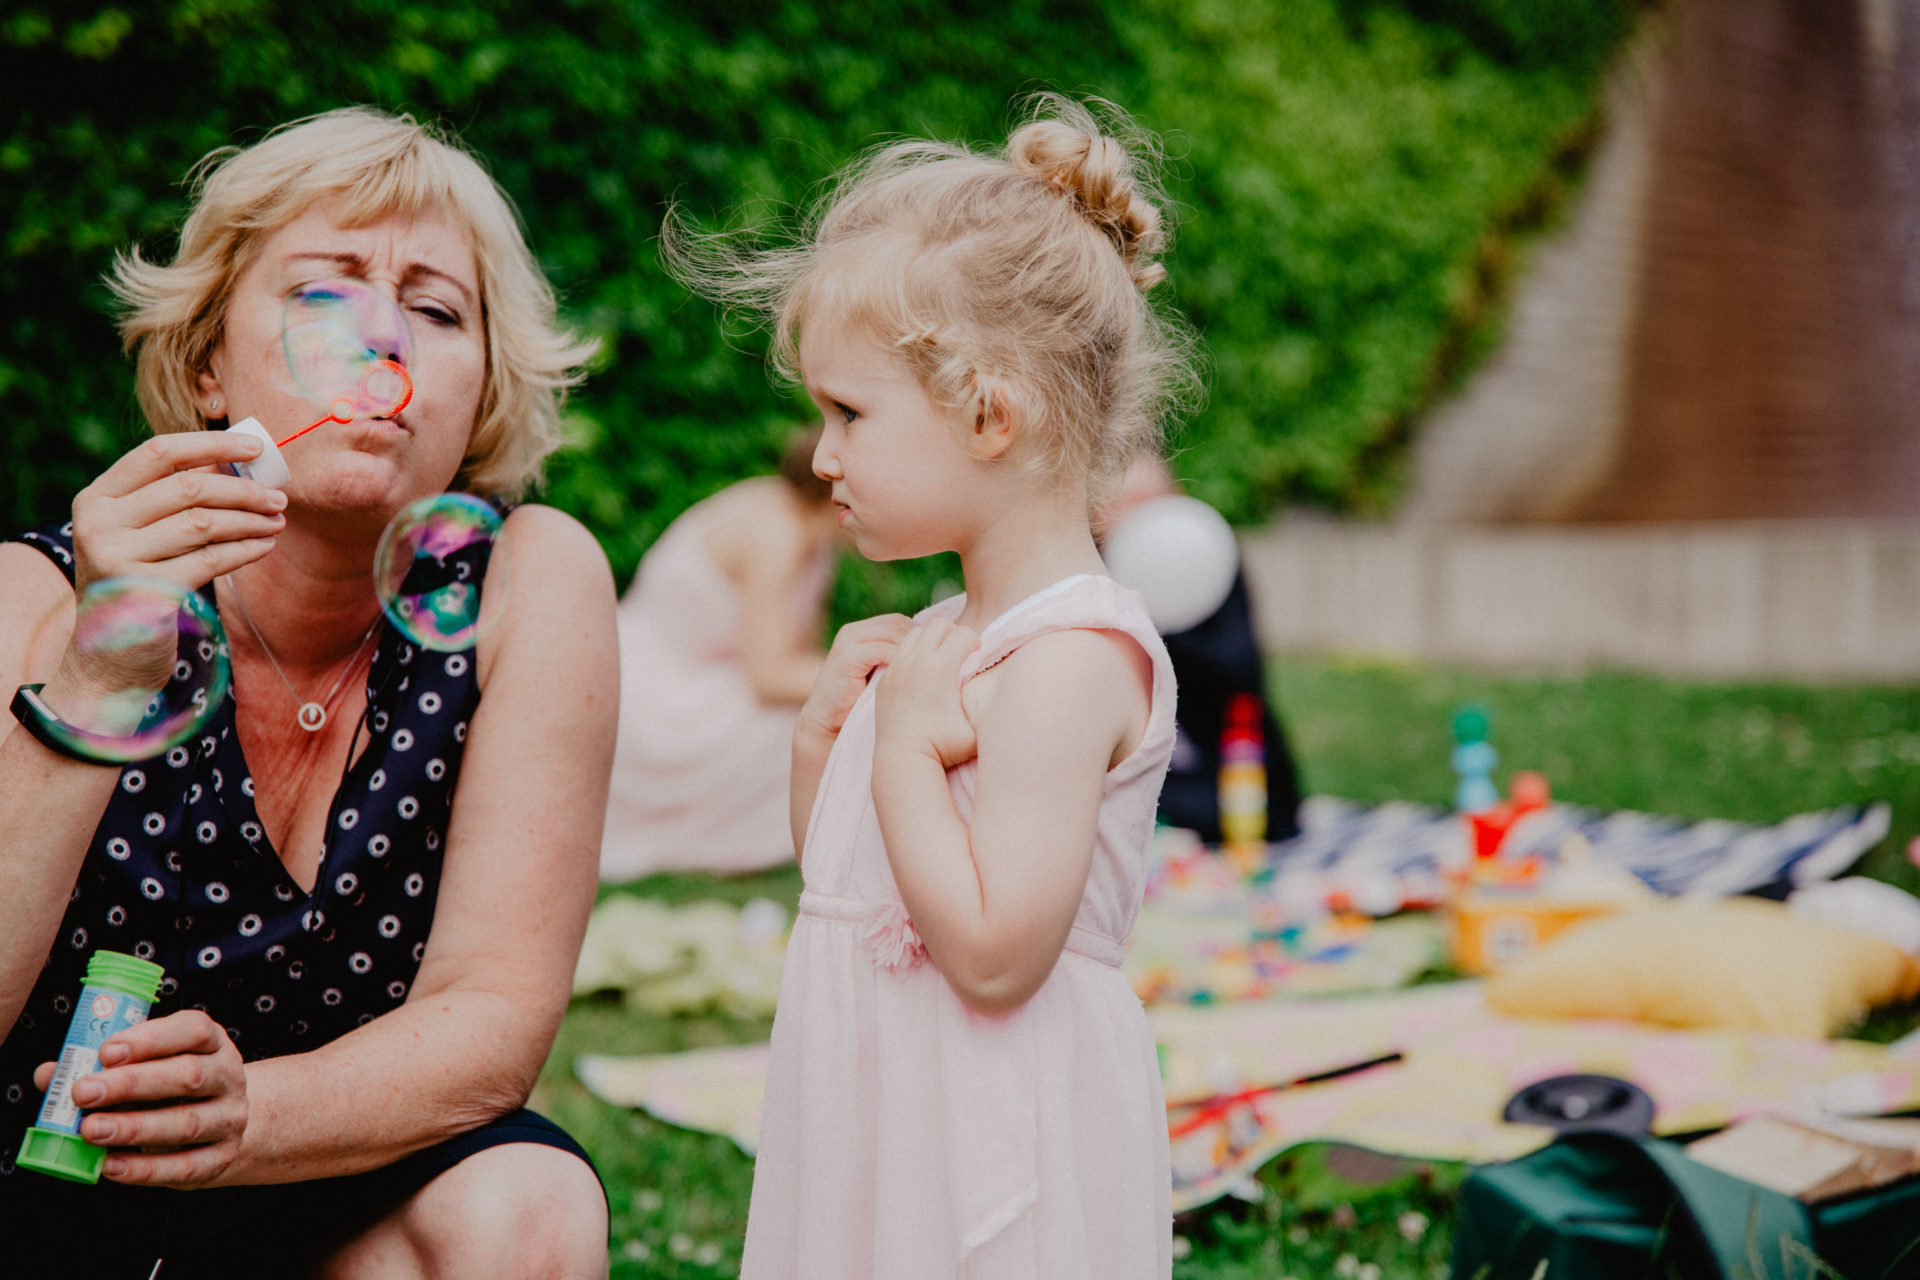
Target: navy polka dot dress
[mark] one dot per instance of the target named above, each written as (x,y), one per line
(180,872)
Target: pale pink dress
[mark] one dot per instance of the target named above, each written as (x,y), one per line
(906,1137)
(701,766)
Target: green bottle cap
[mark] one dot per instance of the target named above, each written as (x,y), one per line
(118,971)
(61,1154)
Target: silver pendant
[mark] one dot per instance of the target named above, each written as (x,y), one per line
(312,716)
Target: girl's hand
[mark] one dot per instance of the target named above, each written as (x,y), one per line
(187,1078)
(858,650)
(918,706)
(163,511)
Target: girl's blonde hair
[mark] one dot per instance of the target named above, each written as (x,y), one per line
(1022,274)
(373,164)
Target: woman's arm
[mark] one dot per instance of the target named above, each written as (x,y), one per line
(781,658)
(154,514)
(49,804)
(994,902)
(518,881)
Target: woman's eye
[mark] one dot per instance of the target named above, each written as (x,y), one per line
(439,315)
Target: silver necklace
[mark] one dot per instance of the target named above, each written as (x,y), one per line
(312,715)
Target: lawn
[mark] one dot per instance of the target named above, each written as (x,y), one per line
(1373,731)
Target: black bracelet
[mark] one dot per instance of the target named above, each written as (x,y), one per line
(38,719)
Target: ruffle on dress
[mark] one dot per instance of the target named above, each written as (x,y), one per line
(888,931)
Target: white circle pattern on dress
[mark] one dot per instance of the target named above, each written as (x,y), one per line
(216,891)
(409,807)
(118,849)
(133,781)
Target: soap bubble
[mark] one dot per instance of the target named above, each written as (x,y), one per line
(347,348)
(146,668)
(429,568)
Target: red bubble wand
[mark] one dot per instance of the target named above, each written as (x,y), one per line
(385,388)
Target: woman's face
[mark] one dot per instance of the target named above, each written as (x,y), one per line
(425,264)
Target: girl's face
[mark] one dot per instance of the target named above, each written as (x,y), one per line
(904,483)
(425,263)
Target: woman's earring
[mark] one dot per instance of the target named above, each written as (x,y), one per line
(213,406)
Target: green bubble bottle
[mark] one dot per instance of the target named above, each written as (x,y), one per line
(118,992)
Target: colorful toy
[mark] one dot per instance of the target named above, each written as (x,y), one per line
(1473,759)
(1243,781)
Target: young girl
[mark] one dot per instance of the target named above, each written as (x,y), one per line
(963,1084)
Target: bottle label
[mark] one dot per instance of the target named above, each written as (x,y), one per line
(100,1015)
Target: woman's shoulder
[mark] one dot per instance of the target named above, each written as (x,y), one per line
(549,576)
(548,538)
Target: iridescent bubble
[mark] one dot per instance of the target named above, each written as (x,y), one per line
(429,568)
(347,348)
(136,666)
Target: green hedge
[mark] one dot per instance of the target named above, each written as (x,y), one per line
(1350,174)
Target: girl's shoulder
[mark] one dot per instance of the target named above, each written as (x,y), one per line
(1084,602)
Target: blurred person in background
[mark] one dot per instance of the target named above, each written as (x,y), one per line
(720,643)
(1214,659)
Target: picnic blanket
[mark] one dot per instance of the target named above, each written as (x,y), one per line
(1441,1100)
(1297,922)
(1371,852)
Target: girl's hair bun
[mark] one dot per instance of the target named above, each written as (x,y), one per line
(1107,181)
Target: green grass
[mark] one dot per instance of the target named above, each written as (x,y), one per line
(1374,731)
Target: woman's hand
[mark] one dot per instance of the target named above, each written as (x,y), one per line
(858,650)
(918,705)
(162,511)
(187,1077)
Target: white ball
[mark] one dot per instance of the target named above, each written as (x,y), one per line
(1179,554)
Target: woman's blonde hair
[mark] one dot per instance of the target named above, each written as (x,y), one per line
(373,164)
(1021,274)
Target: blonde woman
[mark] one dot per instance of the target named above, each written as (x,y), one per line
(368,916)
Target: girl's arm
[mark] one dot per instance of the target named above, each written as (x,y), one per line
(518,881)
(994,902)
(859,649)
